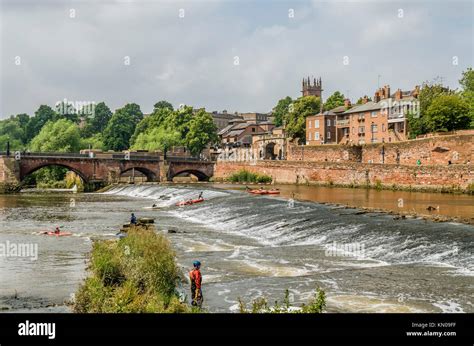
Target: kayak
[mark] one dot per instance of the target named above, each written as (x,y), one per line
(61,234)
(190,202)
(265,192)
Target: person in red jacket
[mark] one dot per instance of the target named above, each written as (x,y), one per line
(196,280)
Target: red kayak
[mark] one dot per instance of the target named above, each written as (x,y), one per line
(61,234)
(190,202)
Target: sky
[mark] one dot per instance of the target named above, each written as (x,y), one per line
(224,55)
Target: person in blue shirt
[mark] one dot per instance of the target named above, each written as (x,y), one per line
(133,219)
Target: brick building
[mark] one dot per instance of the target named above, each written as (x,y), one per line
(382,120)
(321,128)
(314,89)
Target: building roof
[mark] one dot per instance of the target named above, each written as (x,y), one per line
(338,109)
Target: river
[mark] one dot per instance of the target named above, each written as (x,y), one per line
(254,245)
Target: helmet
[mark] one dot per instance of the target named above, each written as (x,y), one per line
(196,264)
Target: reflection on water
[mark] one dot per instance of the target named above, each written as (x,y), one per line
(253,245)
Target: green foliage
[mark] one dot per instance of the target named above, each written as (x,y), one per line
(467,80)
(93,142)
(281,110)
(61,135)
(101,117)
(447,112)
(316,305)
(180,120)
(333,101)
(135,274)
(36,123)
(163,105)
(202,131)
(296,118)
(467,83)
(119,129)
(158,138)
(48,177)
(244,176)
(11,131)
(159,118)
(66,110)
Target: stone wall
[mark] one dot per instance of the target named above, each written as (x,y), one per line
(430,151)
(350,173)
(324,153)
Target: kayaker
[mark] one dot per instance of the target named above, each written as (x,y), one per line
(200,195)
(57,230)
(133,219)
(196,280)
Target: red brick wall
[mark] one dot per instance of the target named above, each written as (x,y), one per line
(355,173)
(430,151)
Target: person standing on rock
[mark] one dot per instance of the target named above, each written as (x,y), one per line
(133,219)
(196,281)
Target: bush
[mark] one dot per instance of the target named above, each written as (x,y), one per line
(244,176)
(260,305)
(137,273)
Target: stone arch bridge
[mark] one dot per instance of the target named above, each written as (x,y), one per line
(102,168)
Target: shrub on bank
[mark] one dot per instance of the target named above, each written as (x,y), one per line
(137,273)
(260,305)
(244,176)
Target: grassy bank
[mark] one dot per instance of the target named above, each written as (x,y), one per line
(244,176)
(137,273)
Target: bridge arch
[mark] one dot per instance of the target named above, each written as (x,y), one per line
(148,173)
(197,173)
(31,170)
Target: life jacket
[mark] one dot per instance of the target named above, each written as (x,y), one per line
(196,278)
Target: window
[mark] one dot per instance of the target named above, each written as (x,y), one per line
(316,124)
(309,136)
(328,136)
(373,114)
(374,128)
(253,129)
(316,136)
(328,122)
(309,124)
(361,129)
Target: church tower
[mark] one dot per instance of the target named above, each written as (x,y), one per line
(312,90)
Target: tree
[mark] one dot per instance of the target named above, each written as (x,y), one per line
(163,104)
(467,83)
(447,112)
(11,132)
(158,138)
(296,118)
(333,101)
(100,118)
(467,80)
(119,130)
(154,120)
(66,110)
(61,135)
(202,131)
(180,120)
(134,111)
(281,110)
(35,124)
(93,142)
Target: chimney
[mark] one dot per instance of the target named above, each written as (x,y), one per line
(416,91)
(386,90)
(398,94)
(377,96)
(365,100)
(347,103)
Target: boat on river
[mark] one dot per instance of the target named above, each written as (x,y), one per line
(264,192)
(189,202)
